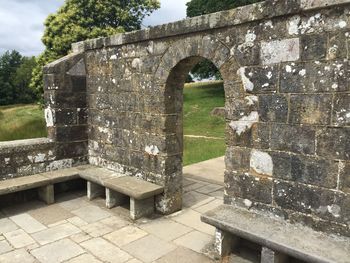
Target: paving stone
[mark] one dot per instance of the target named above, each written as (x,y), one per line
(194,240)
(85,258)
(50,214)
(96,229)
(149,248)
(125,235)
(22,208)
(134,260)
(80,237)
(57,223)
(91,213)
(77,221)
(191,218)
(4,247)
(55,233)
(187,182)
(105,251)
(194,186)
(209,189)
(115,222)
(18,255)
(74,204)
(6,225)
(58,251)
(184,255)
(19,238)
(218,194)
(209,206)
(165,229)
(192,199)
(28,223)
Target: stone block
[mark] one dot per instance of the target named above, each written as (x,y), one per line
(341,110)
(305,169)
(275,51)
(313,47)
(114,198)
(271,256)
(224,243)
(314,77)
(334,143)
(249,187)
(310,109)
(273,108)
(345,177)
(94,190)
(237,159)
(141,208)
(312,4)
(296,139)
(47,194)
(338,44)
(259,79)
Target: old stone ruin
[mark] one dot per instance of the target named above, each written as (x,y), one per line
(115,104)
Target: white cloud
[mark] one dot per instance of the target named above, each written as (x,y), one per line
(21,21)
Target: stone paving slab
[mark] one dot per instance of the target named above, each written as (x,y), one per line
(105,251)
(149,248)
(191,218)
(55,233)
(194,240)
(91,213)
(5,247)
(85,258)
(125,235)
(184,255)
(16,256)
(7,225)
(28,223)
(19,238)
(51,214)
(58,251)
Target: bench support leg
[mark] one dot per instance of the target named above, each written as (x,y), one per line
(224,243)
(94,190)
(47,194)
(141,208)
(114,198)
(270,256)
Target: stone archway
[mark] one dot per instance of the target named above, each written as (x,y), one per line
(171,74)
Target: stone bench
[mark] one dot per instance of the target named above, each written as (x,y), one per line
(44,182)
(279,239)
(118,188)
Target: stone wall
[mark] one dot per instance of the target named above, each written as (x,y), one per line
(285,70)
(66,118)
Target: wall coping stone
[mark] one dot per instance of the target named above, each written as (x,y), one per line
(263,10)
(28,143)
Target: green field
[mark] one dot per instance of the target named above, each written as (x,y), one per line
(199,100)
(21,122)
(27,121)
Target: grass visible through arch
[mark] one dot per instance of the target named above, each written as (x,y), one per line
(199,100)
(21,122)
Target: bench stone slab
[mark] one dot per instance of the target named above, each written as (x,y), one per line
(278,235)
(23,183)
(133,187)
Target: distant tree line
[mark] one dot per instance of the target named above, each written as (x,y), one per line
(15,76)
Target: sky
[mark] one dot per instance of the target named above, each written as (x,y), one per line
(21,21)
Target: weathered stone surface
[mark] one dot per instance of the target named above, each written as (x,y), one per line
(341,115)
(313,47)
(297,139)
(334,143)
(310,109)
(273,108)
(275,51)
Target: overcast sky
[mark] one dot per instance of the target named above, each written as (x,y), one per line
(21,21)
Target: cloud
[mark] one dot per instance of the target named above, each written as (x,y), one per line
(170,11)
(22,21)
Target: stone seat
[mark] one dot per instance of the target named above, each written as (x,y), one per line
(278,238)
(118,188)
(44,182)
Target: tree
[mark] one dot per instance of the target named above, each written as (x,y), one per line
(207,69)
(21,81)
(9,62)
(78,20)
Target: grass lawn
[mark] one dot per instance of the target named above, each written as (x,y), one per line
(21,122)
(199,100)
(27,121)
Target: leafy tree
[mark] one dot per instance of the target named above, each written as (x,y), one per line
(78,20)
(9,62)
(21,81)
(207,69)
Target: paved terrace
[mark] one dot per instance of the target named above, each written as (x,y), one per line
(77,230)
